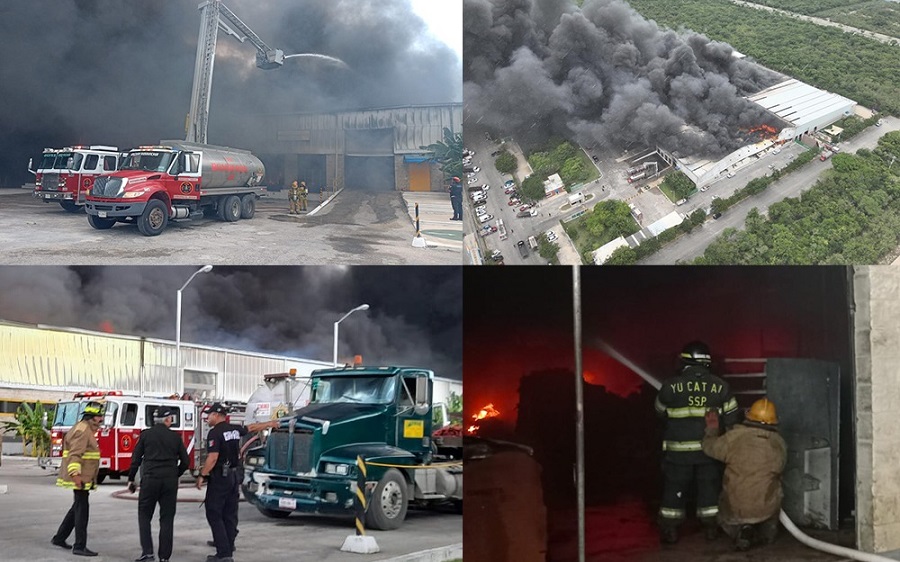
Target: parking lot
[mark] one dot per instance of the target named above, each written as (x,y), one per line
(357,228)
(32,507)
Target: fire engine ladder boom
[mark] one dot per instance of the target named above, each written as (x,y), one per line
(213,16)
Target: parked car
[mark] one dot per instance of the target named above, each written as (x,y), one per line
(480,211)
(513,201)
(473,181)
(525,207)
(551,236)
(523,249)
(680,202)
(509,183)
(478,197)
(485,218)
(704,188)
(485,187)
(509,190)
(476,169)
(732,174)
(496,153)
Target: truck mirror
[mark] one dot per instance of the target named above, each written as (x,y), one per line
(422,403)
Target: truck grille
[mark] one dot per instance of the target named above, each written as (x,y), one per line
(50,182)
(278,455)
(106,186)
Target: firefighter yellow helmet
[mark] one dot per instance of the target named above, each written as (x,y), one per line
(763,411)
(294,184)
(93,409)
(303,183)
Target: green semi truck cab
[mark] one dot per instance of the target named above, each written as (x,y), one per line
(382,414)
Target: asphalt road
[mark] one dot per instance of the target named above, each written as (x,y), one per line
(357,228)
(32,508)
(691,246)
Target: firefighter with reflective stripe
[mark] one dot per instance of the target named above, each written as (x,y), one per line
(304,195)
(754,456)
(294,198)
(78,472)
(683,402)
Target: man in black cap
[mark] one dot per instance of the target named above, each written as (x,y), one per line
(221,470)
(164,458)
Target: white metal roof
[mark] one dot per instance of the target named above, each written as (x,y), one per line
(799,103)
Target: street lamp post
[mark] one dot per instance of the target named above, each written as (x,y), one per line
(360,307)
(179,373)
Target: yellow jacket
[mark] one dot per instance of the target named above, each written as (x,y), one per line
(81,455)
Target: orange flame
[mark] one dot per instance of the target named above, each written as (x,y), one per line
(487,411)
(106,326)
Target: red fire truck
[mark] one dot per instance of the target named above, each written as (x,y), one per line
(126,416)
(66,175)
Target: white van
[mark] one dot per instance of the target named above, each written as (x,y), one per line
(575,198)
(532,243)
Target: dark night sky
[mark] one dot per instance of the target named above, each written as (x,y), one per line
(120,72)
(415,316)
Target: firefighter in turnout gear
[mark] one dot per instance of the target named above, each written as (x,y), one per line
(294,198)
(304,195)
(683,402)
(754,456)
(78,472)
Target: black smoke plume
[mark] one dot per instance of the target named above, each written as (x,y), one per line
(603,75)
(120,71)
(415,314)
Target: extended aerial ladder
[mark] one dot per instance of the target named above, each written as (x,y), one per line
(214,16)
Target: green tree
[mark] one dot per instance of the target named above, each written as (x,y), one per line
(506,163)
(622,256)
(573,171)
(610,219)
(533,188)
(547,249)
(29,424)
(542,165)
(679,184)
(454,410)
(448,153)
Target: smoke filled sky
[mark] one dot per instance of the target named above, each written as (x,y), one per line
(603,75)
(119,72)
(415,314)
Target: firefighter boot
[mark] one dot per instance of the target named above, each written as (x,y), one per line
(744,539)
(668,535)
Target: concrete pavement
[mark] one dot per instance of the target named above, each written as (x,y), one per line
(33,506)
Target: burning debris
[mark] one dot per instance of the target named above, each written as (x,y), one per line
(602,74)
(486,412)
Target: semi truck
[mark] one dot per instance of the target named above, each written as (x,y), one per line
(381,414)
(177,180)
(66,175)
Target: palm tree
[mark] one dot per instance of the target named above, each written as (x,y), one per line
(30,425)
(448,153)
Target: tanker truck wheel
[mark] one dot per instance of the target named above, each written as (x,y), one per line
(231,210)
(154,218)
(70,206)
(248,206)
(387,508)
(101,224)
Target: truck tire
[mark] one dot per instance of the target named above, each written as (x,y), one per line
(71,206)
(101,224)
(387,508)
(231,208)
(154,218)
(248,206)
(273,513)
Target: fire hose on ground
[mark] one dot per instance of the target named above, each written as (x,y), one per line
(785,520)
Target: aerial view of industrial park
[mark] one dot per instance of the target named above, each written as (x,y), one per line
(229,131)
(690,132)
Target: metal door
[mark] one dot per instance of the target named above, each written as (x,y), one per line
(807,395)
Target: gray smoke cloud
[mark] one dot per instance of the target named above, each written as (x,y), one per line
(415,315)
(603,75)
(120,72)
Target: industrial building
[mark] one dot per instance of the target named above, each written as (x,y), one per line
(40,363)
(802,109)
(375,149)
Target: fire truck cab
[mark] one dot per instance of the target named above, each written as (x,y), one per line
(126,417)
(66,175)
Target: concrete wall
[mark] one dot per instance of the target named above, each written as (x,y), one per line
(877,355)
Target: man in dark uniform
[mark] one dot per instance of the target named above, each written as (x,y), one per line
(683,402)
(164,458)
(221,470)
(456,198)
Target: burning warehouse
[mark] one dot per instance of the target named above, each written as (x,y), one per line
(819,342)
(799,110)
